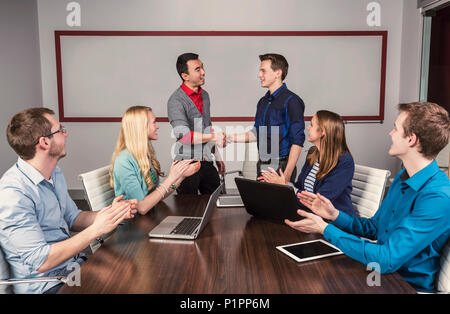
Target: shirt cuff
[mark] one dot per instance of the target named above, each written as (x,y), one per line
(74,217)
(343,220)
(38,257)
(332,234)
(333,231)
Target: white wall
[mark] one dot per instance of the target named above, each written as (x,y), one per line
(411,52)
(20,74)
(90,144)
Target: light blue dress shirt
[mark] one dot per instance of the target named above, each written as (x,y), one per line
(34,214)
(411,227)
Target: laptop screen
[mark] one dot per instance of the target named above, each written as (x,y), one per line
(209,208)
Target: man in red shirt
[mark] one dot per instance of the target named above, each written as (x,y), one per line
(188,110)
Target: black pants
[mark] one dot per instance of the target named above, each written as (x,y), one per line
(282,163)
(206,180)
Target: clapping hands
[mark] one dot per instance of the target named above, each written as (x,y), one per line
(321,208)
(182,169)
(273,177)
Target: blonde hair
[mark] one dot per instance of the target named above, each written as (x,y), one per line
(134,137)
(332,144)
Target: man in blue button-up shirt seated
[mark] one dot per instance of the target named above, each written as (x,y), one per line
(412,225)
(36,211)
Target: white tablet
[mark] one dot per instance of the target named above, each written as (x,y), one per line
(310,250)
(229,201)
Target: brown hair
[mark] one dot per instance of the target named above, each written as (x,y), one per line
(332,144)
(25,129)
(278,63)
(430,123)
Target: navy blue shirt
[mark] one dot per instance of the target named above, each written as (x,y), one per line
(336,185)
(411,227)
(285,111)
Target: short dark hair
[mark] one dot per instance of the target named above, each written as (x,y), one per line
(278,63)
(430,123)
(25,129)
(182,62)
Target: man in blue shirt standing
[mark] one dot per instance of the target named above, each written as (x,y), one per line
(412,225)
(36,211)
(279,122)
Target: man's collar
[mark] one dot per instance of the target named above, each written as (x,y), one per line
(276,93)
(418,179)
(190,91)
(32,173)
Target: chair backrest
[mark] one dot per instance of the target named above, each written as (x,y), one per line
(368,189)
(443,278)
(4,274)
(442,159)
(98,192)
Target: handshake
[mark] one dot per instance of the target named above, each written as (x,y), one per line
(222,139)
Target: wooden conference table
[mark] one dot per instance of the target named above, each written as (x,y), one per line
(234,254)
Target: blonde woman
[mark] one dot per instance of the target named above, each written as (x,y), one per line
(135,171)
(329,166)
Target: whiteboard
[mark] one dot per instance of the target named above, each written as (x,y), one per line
(101,74)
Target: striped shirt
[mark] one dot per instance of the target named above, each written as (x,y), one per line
(311,178)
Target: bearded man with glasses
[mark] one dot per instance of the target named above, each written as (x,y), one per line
(36,211)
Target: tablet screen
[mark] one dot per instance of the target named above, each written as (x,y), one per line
(310,250)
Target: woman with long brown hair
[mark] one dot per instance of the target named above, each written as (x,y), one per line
(329,166)
(135,171)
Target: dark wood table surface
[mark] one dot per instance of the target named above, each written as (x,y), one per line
(235,254)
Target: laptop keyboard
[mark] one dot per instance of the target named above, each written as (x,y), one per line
(186,226)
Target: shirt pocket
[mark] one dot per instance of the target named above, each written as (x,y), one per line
(49,213)
(276,122)
(276,117)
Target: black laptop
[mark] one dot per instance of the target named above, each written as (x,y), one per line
(268,200)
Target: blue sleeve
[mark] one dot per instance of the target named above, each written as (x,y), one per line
(20,231)
(362,227)
(427,220)
(127,173)
(296,110)
(338,179)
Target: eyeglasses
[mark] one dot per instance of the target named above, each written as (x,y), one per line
(62,129)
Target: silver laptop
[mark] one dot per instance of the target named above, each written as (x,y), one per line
(180,227)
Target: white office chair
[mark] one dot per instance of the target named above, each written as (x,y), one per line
(248,166)
(6,282)
(98,193)
(443,278)
(442,159)
(368,189)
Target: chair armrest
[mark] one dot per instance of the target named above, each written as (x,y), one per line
(15,281)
